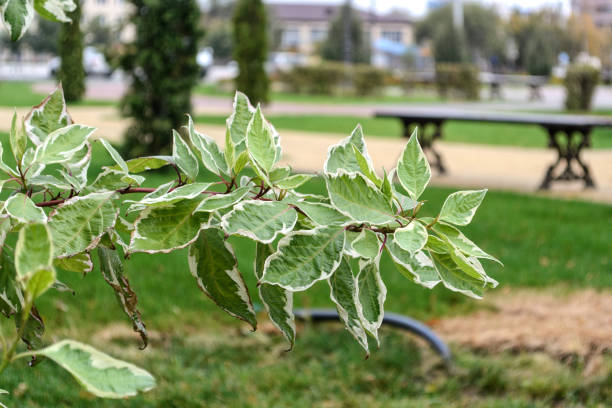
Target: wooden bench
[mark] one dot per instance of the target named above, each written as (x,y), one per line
(496,81)
(567,134)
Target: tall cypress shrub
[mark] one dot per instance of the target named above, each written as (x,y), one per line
(71,72)
(251,49)
(163,69)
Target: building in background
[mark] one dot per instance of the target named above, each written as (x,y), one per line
(600,11)
(302,27)
(110,12)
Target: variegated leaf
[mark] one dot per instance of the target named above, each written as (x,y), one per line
(412,237)
(79,263)
(323,214)
(358,198)
(372,293)
(18,139)
(220,201)
(165,229)
(341,156)
(413,169)
(460,207)
(16,15)
(419,268)
(62,144)
(115,155)
(460,241)
(260,141)
(55,10)
(278,301)
(241,116)
(262,221)
(21,208)
(343,292)
(34,259)
(305,257)
(99,373)
(111,266)
(209,152)
(47,117)
(213,264)
(78,224)
(142,164)
(183,157)
(367,244)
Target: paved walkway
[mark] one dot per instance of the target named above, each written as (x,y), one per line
(494,167)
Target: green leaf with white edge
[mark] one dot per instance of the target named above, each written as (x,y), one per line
(343,292)
(79,223)
(460,207)
(21,208)
(386,186)
(412,237)
(99,373)
(261,221)
(220,201)
(17,15)
(294,181)
(341,156)
(358,198)
(413,169)
(207,148)
(305,257)
(238,122)
(18,139)
(47,117)
(260,141)
(213,264)
(467,266)
(418,267)
(142,164)
(366,167)
(4,167)
(277,301)
(371,293)
(45,180)
(403,202)
(455,279)
(165,229)
(367,244)
(62,144)
(230,150)
(110,180)
(112,269)
(186,192)
(183,157)
(33,252)
(79,263)
(279,173)
(55,10)
(115,155)
(241,161)
(435,244)
(460,241)
(76,168)
(323,214)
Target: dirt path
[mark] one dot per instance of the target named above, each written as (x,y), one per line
(563,325)
(494,167)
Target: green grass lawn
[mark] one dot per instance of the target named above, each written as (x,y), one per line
(416,96)
(20,94)
(202,357)
(457,132)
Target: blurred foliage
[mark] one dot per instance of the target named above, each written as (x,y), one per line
(99,34)
(71,72)
(459,80)
(335,46)
(43,39)
(539,38)
(484,34)
(580,83)
(162,65)
(251,49)
(334,78)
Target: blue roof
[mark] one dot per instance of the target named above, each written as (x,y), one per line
(390,47)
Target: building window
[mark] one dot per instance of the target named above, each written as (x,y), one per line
(290,37)
(318,35)
(392,35)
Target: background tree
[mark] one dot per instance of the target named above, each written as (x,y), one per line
(334,47)
(539,38)
(71,72)
(484,34)
(251,49)
(163,69)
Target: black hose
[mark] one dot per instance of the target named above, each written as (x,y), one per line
(391,319)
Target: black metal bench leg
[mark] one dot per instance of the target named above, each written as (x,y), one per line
(390,319)
(568,152)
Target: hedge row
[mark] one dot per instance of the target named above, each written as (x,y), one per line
(458,80)
(332,78)
(580,83)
